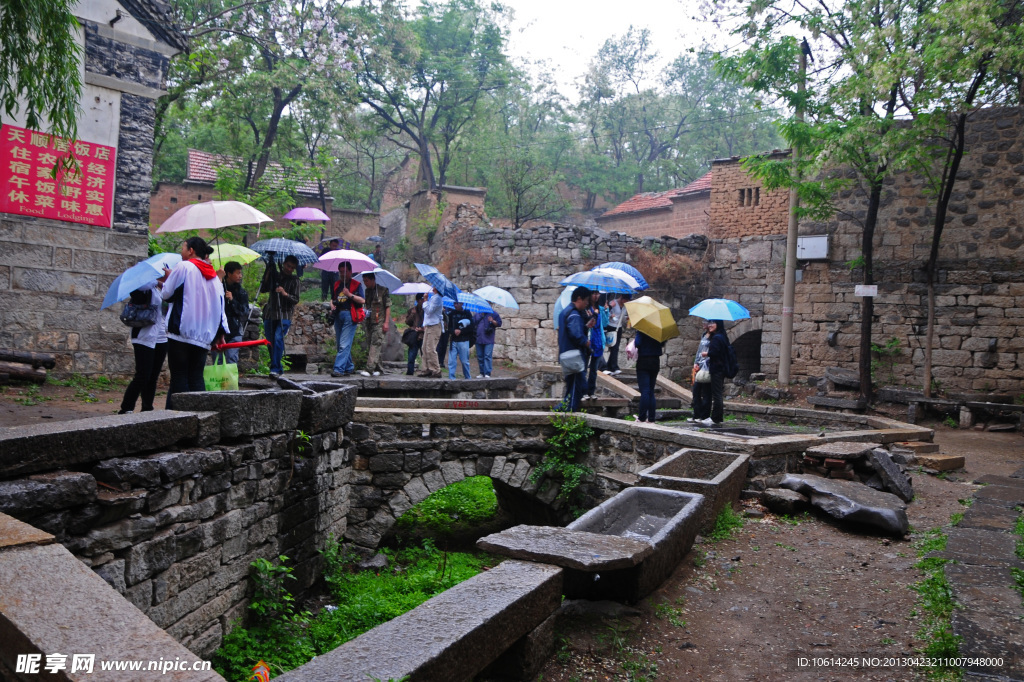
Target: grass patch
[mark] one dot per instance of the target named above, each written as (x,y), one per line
(1018,580)
(286,639)
(1019,530)
(727,523)
(935,601)
(90,383)
(31,396)
(469,502)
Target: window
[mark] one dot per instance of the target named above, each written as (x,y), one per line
(174,200)
(751,196)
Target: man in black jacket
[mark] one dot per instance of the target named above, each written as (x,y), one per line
(236,309)
(460,322)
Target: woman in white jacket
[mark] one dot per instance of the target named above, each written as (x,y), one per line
(195,316)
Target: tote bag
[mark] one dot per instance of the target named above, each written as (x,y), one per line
(221,376)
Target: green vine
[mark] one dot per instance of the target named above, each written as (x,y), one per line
(567,448)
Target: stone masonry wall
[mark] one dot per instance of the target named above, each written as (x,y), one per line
(171,513)
(980,290)
(741,207)
(530,263)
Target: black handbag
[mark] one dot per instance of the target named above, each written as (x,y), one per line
(410,337)
(135,315)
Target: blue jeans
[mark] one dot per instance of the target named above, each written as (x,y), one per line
(413,351)
(344,333)
(230,355)
(275,331)
(575,385)
(459,353)
(484,357)
(647,380)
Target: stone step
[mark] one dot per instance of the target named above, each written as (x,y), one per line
(941,462)
(837,403)
(918,447)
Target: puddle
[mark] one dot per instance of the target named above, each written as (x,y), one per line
(644,527)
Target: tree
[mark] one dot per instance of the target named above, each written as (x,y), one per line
(852,102)
(39,64)
(425,76)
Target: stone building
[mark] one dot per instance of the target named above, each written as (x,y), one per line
(54,273)
(675,213)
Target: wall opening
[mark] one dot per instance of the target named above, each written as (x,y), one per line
(748,353)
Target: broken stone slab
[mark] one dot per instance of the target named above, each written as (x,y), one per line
(917,447)
(842,450)
(327,410)
(898,395)
(855,502)
(784,501)
(14,533)
(591,552)
(25,498)
(246,413)
(940,462)
(904,457)
(985,516)
(1001,427)
(895,481)
(990,639)
(843,378)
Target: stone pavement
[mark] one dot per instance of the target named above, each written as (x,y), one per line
(990,613)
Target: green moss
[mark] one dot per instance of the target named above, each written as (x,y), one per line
(726,524)
(935,600)
(469,502)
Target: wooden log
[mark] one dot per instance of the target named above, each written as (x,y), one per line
(47,360)
(18,370)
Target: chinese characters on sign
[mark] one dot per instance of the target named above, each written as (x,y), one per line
(28,185)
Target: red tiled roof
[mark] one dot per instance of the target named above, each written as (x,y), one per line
(652,201)
(202,167)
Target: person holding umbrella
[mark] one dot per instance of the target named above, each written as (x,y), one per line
(460,322)
(654,325)
(702,383)
(236,309)
(195,317)
(378,317)
(346,297)
(283,288)
(328,278)
(572,336)
(485,324)
(433,327)
(150,346)
(717,354)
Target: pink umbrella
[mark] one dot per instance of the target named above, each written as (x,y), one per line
(332,259)
(306,213)
(212,215)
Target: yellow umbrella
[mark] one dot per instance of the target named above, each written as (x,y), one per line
(652,318)
(222,253)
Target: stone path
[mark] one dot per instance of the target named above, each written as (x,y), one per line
(990,613)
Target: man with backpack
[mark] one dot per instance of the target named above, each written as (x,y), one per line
(722,365)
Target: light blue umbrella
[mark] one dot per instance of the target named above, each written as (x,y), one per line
(720,309)
(139,275)
(444,286)
(470,302)
(606,281)
(628,269)
(563,302)
(282,248)
(383,277)
(498,297)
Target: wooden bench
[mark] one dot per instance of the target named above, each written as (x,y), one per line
(968,410)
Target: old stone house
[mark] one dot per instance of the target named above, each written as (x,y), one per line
(54,273)
(674,213)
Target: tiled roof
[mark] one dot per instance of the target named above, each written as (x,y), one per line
(155,15)
(653,201)
(202,167)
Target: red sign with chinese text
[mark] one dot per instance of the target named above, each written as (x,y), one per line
(28,185)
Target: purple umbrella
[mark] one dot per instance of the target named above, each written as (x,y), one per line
(306,213)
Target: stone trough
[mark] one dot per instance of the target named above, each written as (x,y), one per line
(718,476)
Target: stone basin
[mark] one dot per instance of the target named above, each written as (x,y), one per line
(666,519)
(718,476)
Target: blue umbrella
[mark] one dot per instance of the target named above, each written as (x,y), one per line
(607,281)
(628,269)
(470,302)
(444,286)
(498,297)
(563,301)
(720,309)
(139,275)
(282,248)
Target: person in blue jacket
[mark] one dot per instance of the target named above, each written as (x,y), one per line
(717,353)
(572,335)
(485,324)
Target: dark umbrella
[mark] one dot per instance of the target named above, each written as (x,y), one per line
(444,286)
(282,248)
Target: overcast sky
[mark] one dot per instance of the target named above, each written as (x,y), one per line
(568,33)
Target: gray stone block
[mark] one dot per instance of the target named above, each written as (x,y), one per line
(128,472)
(895,481)
(246,413)
(783,501)
(849,501)
(42,493)
(327,410)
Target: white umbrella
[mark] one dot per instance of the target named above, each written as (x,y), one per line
(498,297)
(213,215)
(332,259)
(384,278)
(410,288)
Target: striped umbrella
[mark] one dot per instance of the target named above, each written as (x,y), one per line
(628,269)
(607,281)
(444,286)
(282,248)
(470,302)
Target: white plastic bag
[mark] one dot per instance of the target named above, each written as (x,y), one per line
(631,351)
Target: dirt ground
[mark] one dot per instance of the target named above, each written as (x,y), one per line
(746,608)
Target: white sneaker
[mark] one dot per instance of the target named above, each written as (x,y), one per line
(707,422)
(376,374)
(364,373)
(487,376)
(691,420)
(479,376)
(608,372)
(617,372)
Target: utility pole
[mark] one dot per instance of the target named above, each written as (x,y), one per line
(789,284)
